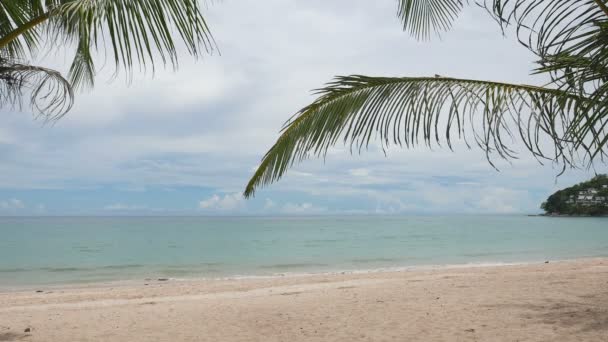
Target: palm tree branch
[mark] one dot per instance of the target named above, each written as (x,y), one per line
(409,111)
(22,29)
(603,6)
(14,14)
(422,17)
(139,31)
(51,95)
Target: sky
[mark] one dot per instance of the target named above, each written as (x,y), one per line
(186,142)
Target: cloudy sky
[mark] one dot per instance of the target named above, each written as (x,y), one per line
(186,142)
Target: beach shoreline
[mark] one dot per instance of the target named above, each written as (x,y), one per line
(557,301)
(286,274)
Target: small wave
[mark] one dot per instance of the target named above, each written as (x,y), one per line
(191,266)
(295,265)
(121,267)
(213,270)
(85,269)
(373,260)
(211,264)
(63,269)
(312,245)
(90,250)
(13,270)
(176,272)
(487,254)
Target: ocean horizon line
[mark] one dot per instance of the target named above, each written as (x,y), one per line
(422,214)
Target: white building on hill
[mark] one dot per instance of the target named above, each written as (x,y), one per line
(589,197)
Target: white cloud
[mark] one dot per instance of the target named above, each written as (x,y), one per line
(269,204)
(360,172)
(392,204)
(501,200)
(228,202)
(12,204)
(302,208)
(123,207)
(489,199)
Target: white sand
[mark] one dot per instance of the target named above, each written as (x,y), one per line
(565,301)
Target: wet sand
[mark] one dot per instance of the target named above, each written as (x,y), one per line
(559,301)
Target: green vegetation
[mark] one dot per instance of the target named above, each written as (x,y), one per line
(564,121)
(137,34)
(589,198)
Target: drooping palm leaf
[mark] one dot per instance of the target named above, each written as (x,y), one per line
(423,17)
(408,112)
(560,121)
(570,38)
(137,33)
(49,93)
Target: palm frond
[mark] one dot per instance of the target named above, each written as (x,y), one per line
(50,95)
(546,26)
(570,37)
(139,32)
(423,17)
(410,111)
(14,15)
(565,121)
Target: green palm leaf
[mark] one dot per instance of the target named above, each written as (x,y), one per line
(50,94)
(16,41)
(137,33)
(422,17)
(564,121)
(409,111)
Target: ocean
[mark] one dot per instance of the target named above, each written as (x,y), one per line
(68,250)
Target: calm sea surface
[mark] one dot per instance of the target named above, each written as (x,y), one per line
(36,251)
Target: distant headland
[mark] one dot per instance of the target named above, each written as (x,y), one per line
(588,198)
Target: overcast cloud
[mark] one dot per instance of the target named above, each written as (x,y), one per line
(186,142)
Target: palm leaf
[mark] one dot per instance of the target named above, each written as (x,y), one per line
(423,17)
(409,111)
(50,94)
(13,15)
(139,32)
(565,121)
(570,38)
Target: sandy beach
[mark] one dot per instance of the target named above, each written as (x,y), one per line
(558,301)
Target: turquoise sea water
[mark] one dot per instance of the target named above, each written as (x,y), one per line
(60,250)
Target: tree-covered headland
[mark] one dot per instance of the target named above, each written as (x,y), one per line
(588,198)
